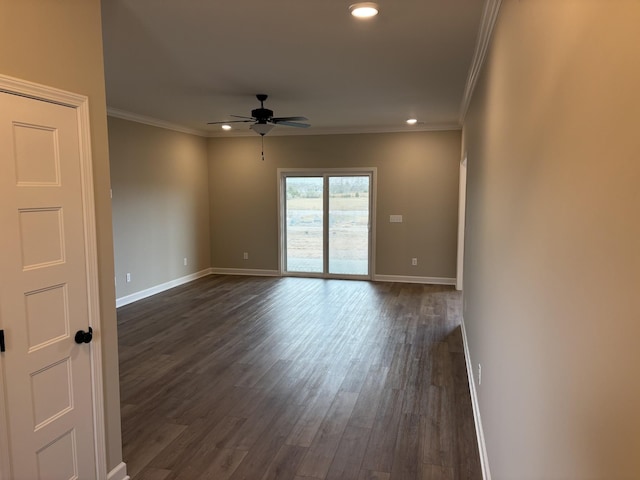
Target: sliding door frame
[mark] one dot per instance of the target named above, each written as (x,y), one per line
(283,173)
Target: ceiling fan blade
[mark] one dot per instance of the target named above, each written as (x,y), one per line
(230,121)
(289,119)
(242,116)
(293,124)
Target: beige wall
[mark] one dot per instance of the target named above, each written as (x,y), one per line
(60,44)
(417,178)
(160,204)
(552,269)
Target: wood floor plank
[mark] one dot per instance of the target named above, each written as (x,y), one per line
(150,473)
(318,404)
(144,448)
(380,451)
(348,458)
(364,412)
(438,429)
(218,463)
(407,455)
(285,463)
(263,453)
(266,412)
(371,475)
(320,454)
(297,379)
(436,472)
(198,440)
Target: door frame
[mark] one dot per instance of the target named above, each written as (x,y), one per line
(80,103)
(462,209)
(322,172)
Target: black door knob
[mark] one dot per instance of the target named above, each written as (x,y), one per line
(84,337)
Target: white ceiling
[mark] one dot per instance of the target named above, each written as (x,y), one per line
(190,62)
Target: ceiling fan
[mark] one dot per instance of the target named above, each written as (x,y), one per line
(263,119)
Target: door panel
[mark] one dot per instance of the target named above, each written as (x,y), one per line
(304,224)
(349,225)
(43,292)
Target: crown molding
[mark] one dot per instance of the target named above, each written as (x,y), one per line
(485,33)
(280,132)
(285,132)
(154,122)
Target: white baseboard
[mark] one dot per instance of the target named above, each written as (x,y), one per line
(244,271)
(134,297)
(482,447)
(119,473)
(412,279)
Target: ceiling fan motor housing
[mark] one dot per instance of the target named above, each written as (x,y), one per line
(262,114)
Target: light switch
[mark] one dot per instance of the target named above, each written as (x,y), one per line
(395,218)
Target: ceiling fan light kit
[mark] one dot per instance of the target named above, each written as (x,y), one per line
(364,9)
(262,128)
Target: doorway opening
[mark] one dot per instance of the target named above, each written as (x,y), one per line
(326,223)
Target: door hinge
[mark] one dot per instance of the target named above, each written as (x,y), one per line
(1,341)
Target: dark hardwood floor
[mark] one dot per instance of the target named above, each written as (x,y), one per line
(293,378)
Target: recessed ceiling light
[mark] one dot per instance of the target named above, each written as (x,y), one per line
(412,121)
(226,127)
(364,9)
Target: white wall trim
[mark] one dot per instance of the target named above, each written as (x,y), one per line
(462,209)
(245,271)
(487,24)
(148,292)
(134,297)
(482,447)
(154,122)
(287,132)
(40,92)
(119,473)
(412,279)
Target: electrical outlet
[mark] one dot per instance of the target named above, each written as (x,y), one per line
(479,374)
(414,262)
(185,261)
(246,255)
(128,277)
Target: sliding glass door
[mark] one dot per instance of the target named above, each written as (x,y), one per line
(326,221)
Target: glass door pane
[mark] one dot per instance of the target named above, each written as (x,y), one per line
(349,225)
(304,228)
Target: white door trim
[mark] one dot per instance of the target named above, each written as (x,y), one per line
(81,104)
(462,208)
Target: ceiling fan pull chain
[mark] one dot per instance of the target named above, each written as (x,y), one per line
(262,140)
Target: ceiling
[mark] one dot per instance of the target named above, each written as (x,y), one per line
(186,63)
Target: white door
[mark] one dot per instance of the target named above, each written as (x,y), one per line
(46,375)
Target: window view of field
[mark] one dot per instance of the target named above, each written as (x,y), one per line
(348,215)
